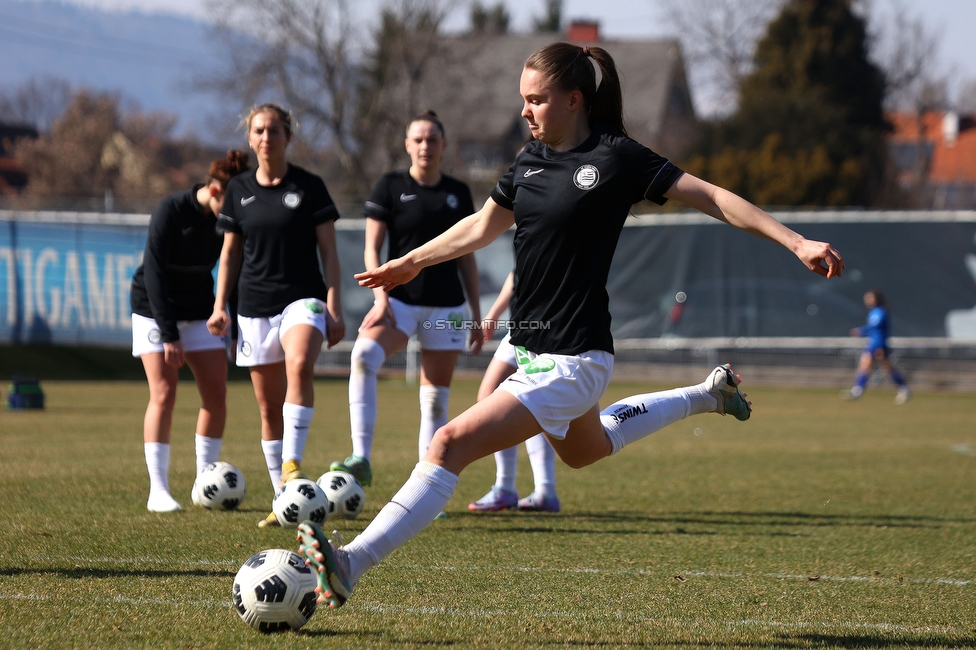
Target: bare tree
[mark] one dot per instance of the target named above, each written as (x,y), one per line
(908,53)
(552,18)
(489,19)
(719,39)
(37,102)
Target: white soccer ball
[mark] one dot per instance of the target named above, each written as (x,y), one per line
(345,492)
(275,591)
(221,486)
(298,500)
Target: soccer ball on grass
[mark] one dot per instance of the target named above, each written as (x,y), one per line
(298,500)
(345,493)
(221,486)
(274,591)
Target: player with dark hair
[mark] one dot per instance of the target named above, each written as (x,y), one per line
(413,206)
(567,194)
(279,222)
(172,296)
(876,330)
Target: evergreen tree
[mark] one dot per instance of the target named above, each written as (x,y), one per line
(809,128)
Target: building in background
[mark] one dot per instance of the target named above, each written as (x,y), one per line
(935,157)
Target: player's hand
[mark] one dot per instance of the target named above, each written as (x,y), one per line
(378,314)
(335,327)
(173,353)
(476,339)
(219,322)
(488,327)
(821,258)
(389,275)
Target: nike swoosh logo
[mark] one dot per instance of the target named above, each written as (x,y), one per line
(249,199)
(531,172)
(407,197)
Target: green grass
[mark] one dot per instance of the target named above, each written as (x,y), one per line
(818,523)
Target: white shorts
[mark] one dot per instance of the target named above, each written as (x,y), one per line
(557,388)
(259,339)
(194,336)
(437,328)
(505,352)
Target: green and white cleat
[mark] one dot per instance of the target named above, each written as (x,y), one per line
(723,385)
(331,564)
(357,466)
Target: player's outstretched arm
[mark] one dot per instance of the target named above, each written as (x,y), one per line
(819,257)
(466,236)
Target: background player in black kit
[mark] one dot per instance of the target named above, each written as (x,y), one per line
(568,194)
(413,206)
(172,296)
(279,219)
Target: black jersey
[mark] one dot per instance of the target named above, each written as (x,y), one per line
(175,281)
(280,262)
(415,214)
(569,210)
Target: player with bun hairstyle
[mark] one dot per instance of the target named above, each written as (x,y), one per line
(413,206)
(567,194)
(172,296)
(279,221)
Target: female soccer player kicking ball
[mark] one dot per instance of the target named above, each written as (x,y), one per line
(568,194)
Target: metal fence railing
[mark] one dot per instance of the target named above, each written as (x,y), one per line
(928,363)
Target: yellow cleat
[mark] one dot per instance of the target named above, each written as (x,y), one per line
(270,520)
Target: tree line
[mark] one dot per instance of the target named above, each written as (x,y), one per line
(802,87)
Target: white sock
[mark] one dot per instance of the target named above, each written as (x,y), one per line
(433,413)
(272,456)
(208,450)
(506,469)
(639,416)
(297,419)
(157,462)
(419,501)
(367,358)
(542,457)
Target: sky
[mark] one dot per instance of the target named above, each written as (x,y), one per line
(954,21)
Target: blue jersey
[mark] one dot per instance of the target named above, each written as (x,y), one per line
(876,329)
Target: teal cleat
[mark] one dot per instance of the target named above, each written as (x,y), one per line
(357,466)
(723,385)
(330,562)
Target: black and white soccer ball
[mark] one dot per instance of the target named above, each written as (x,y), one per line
(298,500)
(274,591)
(219,487)
(345,492)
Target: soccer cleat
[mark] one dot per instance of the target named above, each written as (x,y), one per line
(723,385)
(270,520)
(331,564)
(903,395)
(536,503)
(853,393)
(290,470)
(496,499)
(357,466)
(161,501)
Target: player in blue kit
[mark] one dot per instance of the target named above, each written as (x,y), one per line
(567,194)
(410,207)
(876,330)
(279,222)
(172,296)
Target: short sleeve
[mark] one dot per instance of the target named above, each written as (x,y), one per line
(380,205)
(504,191)
(323,207)
(227,219)
(650,175)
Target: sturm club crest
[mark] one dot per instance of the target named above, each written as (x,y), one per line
(246,349)
(586,177)
(452,202)
(291,200)
(154,336)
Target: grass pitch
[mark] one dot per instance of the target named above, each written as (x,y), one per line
(818,523)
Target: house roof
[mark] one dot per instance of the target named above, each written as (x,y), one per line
(953,159)
(473,85)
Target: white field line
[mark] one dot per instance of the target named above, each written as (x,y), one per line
(684,623)
(232,564)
